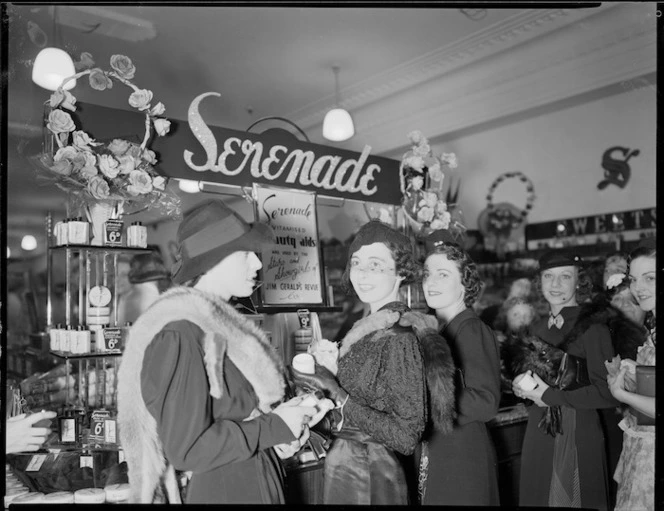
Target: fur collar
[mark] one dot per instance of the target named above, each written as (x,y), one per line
(226,333)
(368,325)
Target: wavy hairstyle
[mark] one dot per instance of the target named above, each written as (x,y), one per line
(584,285)
(470,276)
(405,263)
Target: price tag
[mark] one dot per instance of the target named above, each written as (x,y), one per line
(110,429)
(98,425)
(85,461)
(121,456)
(113,233)
(35,463)
(112,339)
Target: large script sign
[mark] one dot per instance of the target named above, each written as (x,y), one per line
(291,267)
(277,158)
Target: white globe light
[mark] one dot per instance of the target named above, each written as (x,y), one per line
(189,186)
(338,125)
(51,67)
(29,242)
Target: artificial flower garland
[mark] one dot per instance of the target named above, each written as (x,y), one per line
(120,171)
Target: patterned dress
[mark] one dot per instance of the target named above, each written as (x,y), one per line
(635,473)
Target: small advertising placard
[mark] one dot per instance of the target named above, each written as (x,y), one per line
(291,270)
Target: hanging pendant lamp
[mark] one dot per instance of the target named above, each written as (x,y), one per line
(338,124)
(53,65)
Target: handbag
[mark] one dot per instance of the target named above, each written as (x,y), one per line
(645,386)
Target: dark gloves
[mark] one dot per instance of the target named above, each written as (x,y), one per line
(323,380)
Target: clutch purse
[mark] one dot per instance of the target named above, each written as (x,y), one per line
(645,385)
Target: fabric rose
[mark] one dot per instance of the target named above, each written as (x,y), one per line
(78,161)
(127,164)
(62,167)
(441,206)
(445,218)
(90,159)
(150,156)
(99,80)
(82,140)
(435,172)
(158,182)
(451,160)
(615,280)
(417,182)
(429,199)
(108,166)
(60,122)
(140,99)
(88,171)
(436,224)
(118,146)
(414,162)
(98,187)
(425,214)
(141,183)
(86,62)
(158,109)
(135,151)
(416,136)
(64,99)
(422,149)
(65,153)
(162,126)
(123,66)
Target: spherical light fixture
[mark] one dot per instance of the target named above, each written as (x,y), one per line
(29,242)
(51,67)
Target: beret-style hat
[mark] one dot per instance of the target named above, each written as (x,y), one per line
(437,238)
(376,231)
(554,259)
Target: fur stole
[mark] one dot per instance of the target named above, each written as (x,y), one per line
(626,336)
(226,334)
(436,356)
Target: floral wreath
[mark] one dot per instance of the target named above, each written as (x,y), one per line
(421,180)
(500,218)
(120,172)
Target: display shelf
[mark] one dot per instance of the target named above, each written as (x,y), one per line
(102,248)
(83,356)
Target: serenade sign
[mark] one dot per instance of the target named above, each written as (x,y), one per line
(277,158)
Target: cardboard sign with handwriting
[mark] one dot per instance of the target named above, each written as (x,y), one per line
(291,267)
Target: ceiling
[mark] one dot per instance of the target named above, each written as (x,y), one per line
(399,68)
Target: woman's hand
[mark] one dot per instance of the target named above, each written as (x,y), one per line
(285,451)
(296,416)
(535,395)
(617,383)
(23,436)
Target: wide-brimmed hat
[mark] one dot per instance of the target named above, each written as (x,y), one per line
(554,259)
(210,232)
(376,231)
(147,268)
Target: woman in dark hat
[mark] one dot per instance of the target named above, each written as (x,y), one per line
(567,466)
(199,386)
(382,377)
(635,473)
(462,465)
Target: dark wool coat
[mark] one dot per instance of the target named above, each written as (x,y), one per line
(196,383)
(383,372)
(462,465)
(595,346)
